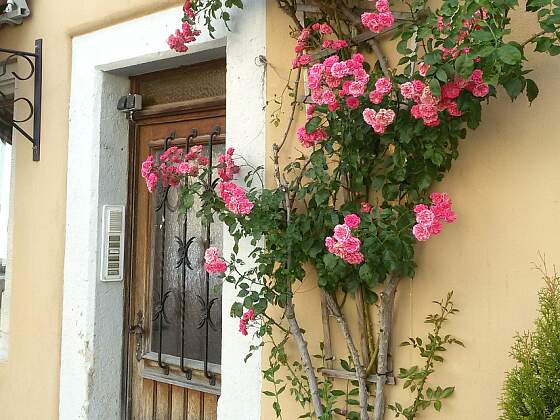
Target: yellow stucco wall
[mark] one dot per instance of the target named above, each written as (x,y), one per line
(29,379)
(506,190)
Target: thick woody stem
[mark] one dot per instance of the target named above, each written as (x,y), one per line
(290,309)
(386,321)
(361,375)
(305,358)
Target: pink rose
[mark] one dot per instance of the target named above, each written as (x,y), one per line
(376,97)
(325,29)
(385,116)
(352,221)
(423,69)
(212,262)
(383,86)
(481,90)
(151,181)
(453,109)
(382,6)
(418,86)
(476,76)
(354,258)
(450,90)
(407,90)
(369,116)
(352,102)
(333,106)
(365,207)
(341,232)
(339,70)
(435,227)
(421,232)
(357,89)
(386,19)
(425,217)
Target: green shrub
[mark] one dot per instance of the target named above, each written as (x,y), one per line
(532,388)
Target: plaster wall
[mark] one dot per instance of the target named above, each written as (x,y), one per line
(31,375)
(29,372)
(506,190)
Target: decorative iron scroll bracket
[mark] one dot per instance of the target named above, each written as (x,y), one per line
(35,61)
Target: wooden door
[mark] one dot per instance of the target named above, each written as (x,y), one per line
(174,308)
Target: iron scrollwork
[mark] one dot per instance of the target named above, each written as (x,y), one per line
(183,263)
(35,62)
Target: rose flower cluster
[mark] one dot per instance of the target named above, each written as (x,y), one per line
(429,220)
(343,244)
(187,33)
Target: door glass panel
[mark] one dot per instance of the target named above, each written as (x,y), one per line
(167,273)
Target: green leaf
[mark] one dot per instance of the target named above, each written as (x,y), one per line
(482,35)
(188,201)
(464,65)
(345,365)
(447,392)
(321,197)
(390,192)
(437,405)
(543,44)
(486,51)
(435,87)
(514,87)
(313,124)
(433,57)
(532,90)
(236,310)
(509,54)
(424,182)
(441,75)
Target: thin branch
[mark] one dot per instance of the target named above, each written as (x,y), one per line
(361,374)
(290,8)
(386,321)
(532,38)
(293,112)
(290,309)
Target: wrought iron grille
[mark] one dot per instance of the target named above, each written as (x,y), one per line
(186,300)
(33,108)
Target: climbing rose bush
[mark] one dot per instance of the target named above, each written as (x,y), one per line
(383,138)
(378,137)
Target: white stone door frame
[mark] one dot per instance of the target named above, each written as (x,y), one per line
(92,324)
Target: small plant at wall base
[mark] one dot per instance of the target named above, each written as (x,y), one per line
(416,379)
(357,202)
(532,387)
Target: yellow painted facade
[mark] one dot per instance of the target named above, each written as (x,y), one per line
(506,190)
(29,379)
(505,185)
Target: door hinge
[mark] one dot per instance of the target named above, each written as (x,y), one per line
(138,331)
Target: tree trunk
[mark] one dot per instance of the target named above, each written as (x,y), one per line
(305,358)
(385,321)
(361,375)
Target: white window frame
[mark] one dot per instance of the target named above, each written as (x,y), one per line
(8,86)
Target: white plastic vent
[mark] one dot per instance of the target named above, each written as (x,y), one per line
(112,246)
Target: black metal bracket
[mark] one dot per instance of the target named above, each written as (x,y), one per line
(35,61)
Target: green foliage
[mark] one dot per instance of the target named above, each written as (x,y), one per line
(393,170)
(430,349)
(532,387)
(210,10)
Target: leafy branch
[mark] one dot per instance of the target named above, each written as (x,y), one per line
(430,349)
